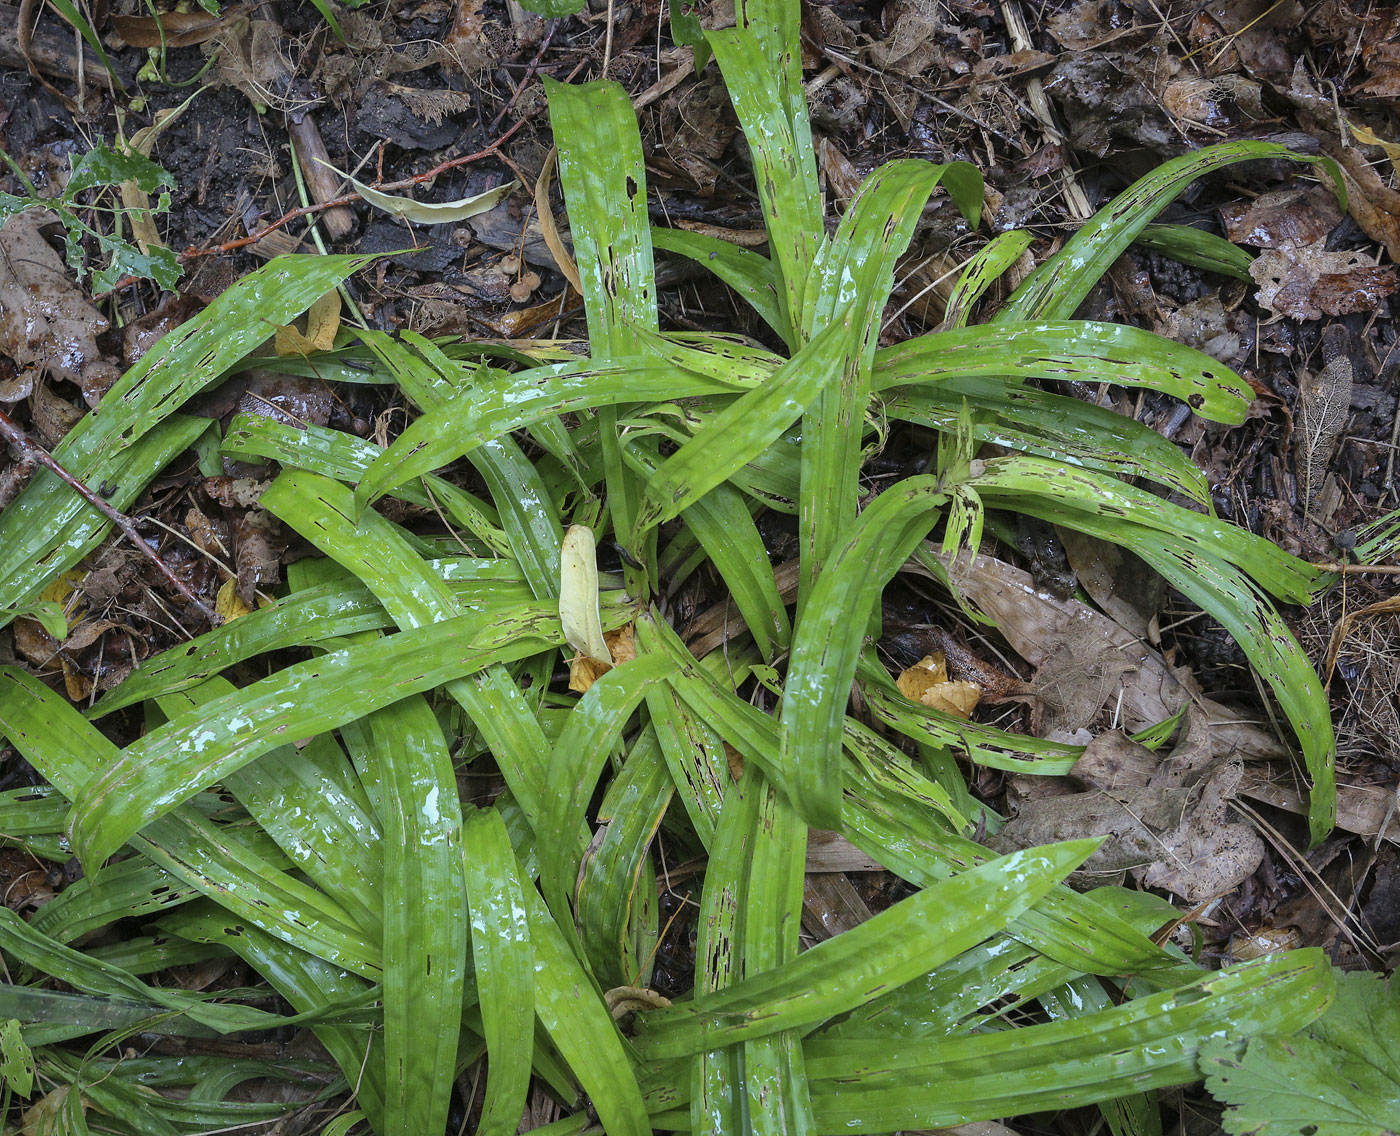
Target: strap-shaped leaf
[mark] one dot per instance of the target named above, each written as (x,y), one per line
(1149,1042)
(70,752)
(1071,349)
(38,538)
(850,283)
(505,967)
(827,640)
(894,947)
(1058,287)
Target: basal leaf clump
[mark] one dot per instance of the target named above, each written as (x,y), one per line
(312,822)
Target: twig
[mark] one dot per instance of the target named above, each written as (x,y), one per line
(1357,569)
(1075,197)
(15,435)
(529,74)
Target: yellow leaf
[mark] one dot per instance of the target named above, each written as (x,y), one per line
(1368,137)
(322,322)
(927,682)
(63,590)
(228,604)
(585,671)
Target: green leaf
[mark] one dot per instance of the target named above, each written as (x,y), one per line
(48,527)
(749,273)
(762,65)
(167,766)
(578,1023)
(850,282)
(425,936)
(603,176)
(1149,1042)
(497,403)
(1058,286)
(16,1060)
(1199,248)
(594,727)
(981,272)
(56,740)
(746,427)
(830,631)
(552,9)
(687,32)
(159,264)
(1066,349)
(504,961)
(1339,1077)
(104,166)
(888,950)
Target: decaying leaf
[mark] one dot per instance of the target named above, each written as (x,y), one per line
(1166,821)
(45,321)
(228,604)
(1218,102)
(322,322)
(563,260)
(1324,399)
(258,548)
(175,29)
(1307,282)
(135,200)
(1282,218)
(1038,626)
(927,682)
(1120,583)
(585,671)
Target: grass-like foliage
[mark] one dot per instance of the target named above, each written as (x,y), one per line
(311,823)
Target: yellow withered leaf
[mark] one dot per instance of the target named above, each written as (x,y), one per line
(927,682)
(322,322)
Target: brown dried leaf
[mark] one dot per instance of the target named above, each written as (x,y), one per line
(697,127)
(174,29)
(1308,282)
(1324,399)
(252,58)
(1090,24)
(1120,583)
(1282,218)
(258,553)
(16,387)
(1038,625)
(1166,821)
(45,321)
(1383,62)
(563,260)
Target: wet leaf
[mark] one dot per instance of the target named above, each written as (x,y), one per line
(578,595)
(1307,282)
(45,321)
